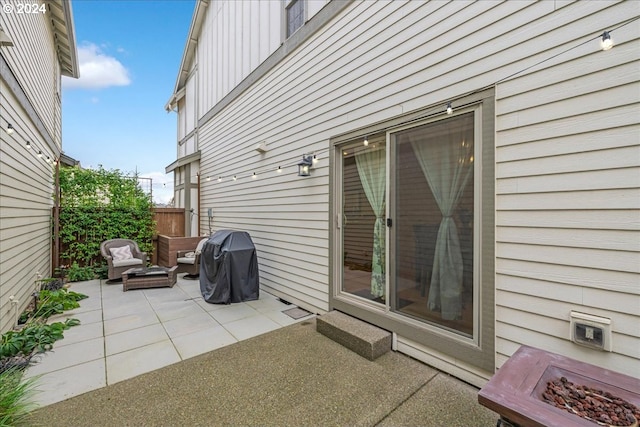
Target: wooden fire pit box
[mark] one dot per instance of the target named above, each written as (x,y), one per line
(515,391)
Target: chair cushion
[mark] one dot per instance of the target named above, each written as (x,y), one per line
(200,245)
(125,262)
(186,260)
(121,253)
(190,255)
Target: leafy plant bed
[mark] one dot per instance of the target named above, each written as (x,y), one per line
(17,347)
(50,302)
(598,406)
(34,337)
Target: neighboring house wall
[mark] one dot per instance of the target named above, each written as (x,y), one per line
(30,101)
(566,186)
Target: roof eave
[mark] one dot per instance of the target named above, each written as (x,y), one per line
(64,37)
(189,49)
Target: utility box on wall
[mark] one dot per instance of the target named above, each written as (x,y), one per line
(591,331)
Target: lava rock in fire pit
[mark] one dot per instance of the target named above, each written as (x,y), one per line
(598,406)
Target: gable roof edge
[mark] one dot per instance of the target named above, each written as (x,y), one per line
(189,50)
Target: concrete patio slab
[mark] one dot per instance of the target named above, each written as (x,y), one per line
(132,321)
(170,310)
(231,313)
(137,361)
(134,338)
(76,335)
(203,341)
(251,326)
(189,324)
(68,355)
(55,386)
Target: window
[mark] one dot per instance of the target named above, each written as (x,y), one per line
(295,16)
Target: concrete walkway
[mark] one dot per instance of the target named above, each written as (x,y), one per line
(125,334)
(269,375)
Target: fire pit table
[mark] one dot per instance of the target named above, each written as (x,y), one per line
(148,277)
(517,391)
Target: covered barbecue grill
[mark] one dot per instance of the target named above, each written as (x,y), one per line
(229,268)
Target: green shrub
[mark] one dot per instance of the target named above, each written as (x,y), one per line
(15,393)
(98,205)
(75,273)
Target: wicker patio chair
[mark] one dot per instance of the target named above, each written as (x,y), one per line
(122,261)
(189,261)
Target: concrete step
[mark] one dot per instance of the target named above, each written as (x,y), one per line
(363,338)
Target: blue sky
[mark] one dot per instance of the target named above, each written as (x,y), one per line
(129,52)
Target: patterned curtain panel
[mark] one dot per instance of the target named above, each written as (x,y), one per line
(371,169)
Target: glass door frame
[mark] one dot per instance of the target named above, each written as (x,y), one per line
(478,351)
(391,231)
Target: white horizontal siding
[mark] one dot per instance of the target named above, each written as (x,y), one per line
(25,210)
(561,156)
(568,194)
(33,61)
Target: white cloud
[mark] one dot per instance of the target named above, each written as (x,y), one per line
(97,70)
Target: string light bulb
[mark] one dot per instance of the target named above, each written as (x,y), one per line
(449,109)
(366,141)
(219,179)
(40,154)
(279,170)
(606,42)
(28,145)
(235,178)
(315,159)
(254,176)
(10,128)
(208,178)
(48,159)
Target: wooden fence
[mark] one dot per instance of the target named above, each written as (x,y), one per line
(169,222)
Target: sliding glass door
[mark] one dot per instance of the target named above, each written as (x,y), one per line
(414,242)
(433,193)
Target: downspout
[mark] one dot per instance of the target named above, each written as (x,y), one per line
(56,221)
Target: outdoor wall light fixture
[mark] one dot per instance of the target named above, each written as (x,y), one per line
(449,109)
(607,42)
(10,129)
(304,167)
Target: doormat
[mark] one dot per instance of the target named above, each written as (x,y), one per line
(296,313)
